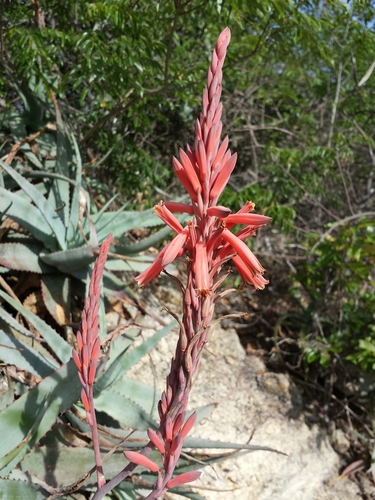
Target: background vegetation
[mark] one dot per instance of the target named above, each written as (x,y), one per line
(125,77)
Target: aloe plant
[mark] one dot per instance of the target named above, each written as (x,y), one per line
(49,225)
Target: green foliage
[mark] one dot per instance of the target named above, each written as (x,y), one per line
(51,226)
(337,284)
(298,95)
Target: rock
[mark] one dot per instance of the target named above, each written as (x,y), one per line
(339,441)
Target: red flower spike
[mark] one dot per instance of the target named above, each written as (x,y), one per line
(137,458)
(186,477)
(156,441)
(208,243)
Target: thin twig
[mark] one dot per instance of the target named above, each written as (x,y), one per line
(170,41)
(339,76)
(16,147)
(344,183)
(340,223)
(305,190)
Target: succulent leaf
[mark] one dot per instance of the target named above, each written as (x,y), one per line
(59,346)
(45,208)
(56,296)
(28,216)
(24,357)
(17,419)
(72,260)
(23,257)
(10,488)
(123,410)
(124,362)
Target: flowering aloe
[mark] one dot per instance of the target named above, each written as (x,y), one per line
(208,243)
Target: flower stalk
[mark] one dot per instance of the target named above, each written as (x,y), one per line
(208,245)
(86,358)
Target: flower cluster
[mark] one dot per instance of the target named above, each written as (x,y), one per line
(204,172)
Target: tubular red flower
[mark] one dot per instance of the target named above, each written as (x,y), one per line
(249,219)
(202,278)
(247,276)
(152,271)
(173,248)
(243,251)
(190,171)
(184,179)
(166,216)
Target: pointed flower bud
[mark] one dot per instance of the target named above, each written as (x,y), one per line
(223,177)
(156,441)
(137,458)
(221,212)
(186,477)
(189,424)
(174,206)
